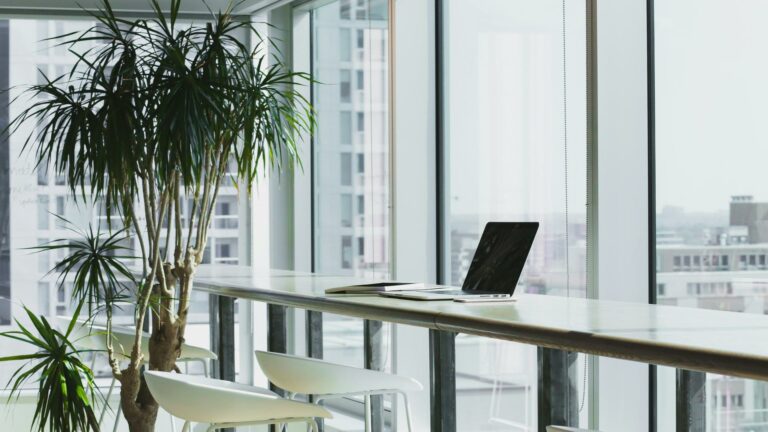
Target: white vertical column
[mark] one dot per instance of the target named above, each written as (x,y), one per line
(622,192)
(413,181)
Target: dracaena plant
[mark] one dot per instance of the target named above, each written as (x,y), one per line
(64,383)
(151,115)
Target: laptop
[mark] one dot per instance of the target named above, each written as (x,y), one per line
(495,268)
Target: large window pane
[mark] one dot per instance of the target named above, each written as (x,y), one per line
(711,194)
(515,143)
(351,159)
(31,199)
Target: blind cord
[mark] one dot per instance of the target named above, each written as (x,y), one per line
(567,219)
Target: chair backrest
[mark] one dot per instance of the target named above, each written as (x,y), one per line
(93,337)
(209,400)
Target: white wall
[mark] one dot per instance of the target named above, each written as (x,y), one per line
(622,191)
(413,156)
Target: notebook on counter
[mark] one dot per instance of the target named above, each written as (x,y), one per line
(379,287)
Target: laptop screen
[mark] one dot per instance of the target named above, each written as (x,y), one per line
(500,257)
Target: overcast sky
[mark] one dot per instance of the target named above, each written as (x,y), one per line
(711,102)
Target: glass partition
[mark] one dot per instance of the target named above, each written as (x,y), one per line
(31,199)
(514,150)
(711,196)
(350,62)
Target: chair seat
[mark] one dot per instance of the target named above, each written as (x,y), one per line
(566,429)
(93,337)
(317,377)
(207,400)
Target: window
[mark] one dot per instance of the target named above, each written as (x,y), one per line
(346,169)
(360,79)
(44,298)
(345,86)
(42,177)
(346,252)
(505,141)
(714,48)
(226,214)
(346,210)
(340,127)
(345,128)
(42,194)
(345,45)
(43,212)
(347,149)
(344,9)
(60,212)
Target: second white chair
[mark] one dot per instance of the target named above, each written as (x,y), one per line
(324,380)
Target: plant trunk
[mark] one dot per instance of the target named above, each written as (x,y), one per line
(140,411)
(139,407)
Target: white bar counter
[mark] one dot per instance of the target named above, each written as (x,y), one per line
(727,343)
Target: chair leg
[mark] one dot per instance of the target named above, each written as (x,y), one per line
(212,427)
(106,401)
(407,412)
(367,413)
(313,427)
(187,426)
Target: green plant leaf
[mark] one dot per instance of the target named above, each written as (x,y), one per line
(63,404)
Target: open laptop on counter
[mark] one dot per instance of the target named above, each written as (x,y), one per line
(495,268)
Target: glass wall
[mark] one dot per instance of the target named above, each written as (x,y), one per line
(37,198)
(515,150)
(350,158)
(711,195)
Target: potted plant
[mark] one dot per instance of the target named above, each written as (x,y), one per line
(154,113)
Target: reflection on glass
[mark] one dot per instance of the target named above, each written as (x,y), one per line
(351,151)
(711,195)
(505,159)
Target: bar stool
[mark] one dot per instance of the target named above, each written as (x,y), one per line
(226,404)
(323,380)
(93,337)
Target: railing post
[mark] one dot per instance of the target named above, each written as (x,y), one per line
(221,314)
(277,338)
(226,340)
(691,401)
(373,342)
(314,331)
(442,371)
(557,390)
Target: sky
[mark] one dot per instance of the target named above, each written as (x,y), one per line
(711,102)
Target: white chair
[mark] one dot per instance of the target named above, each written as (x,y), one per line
(226,404)
(88,336)
(323,380)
